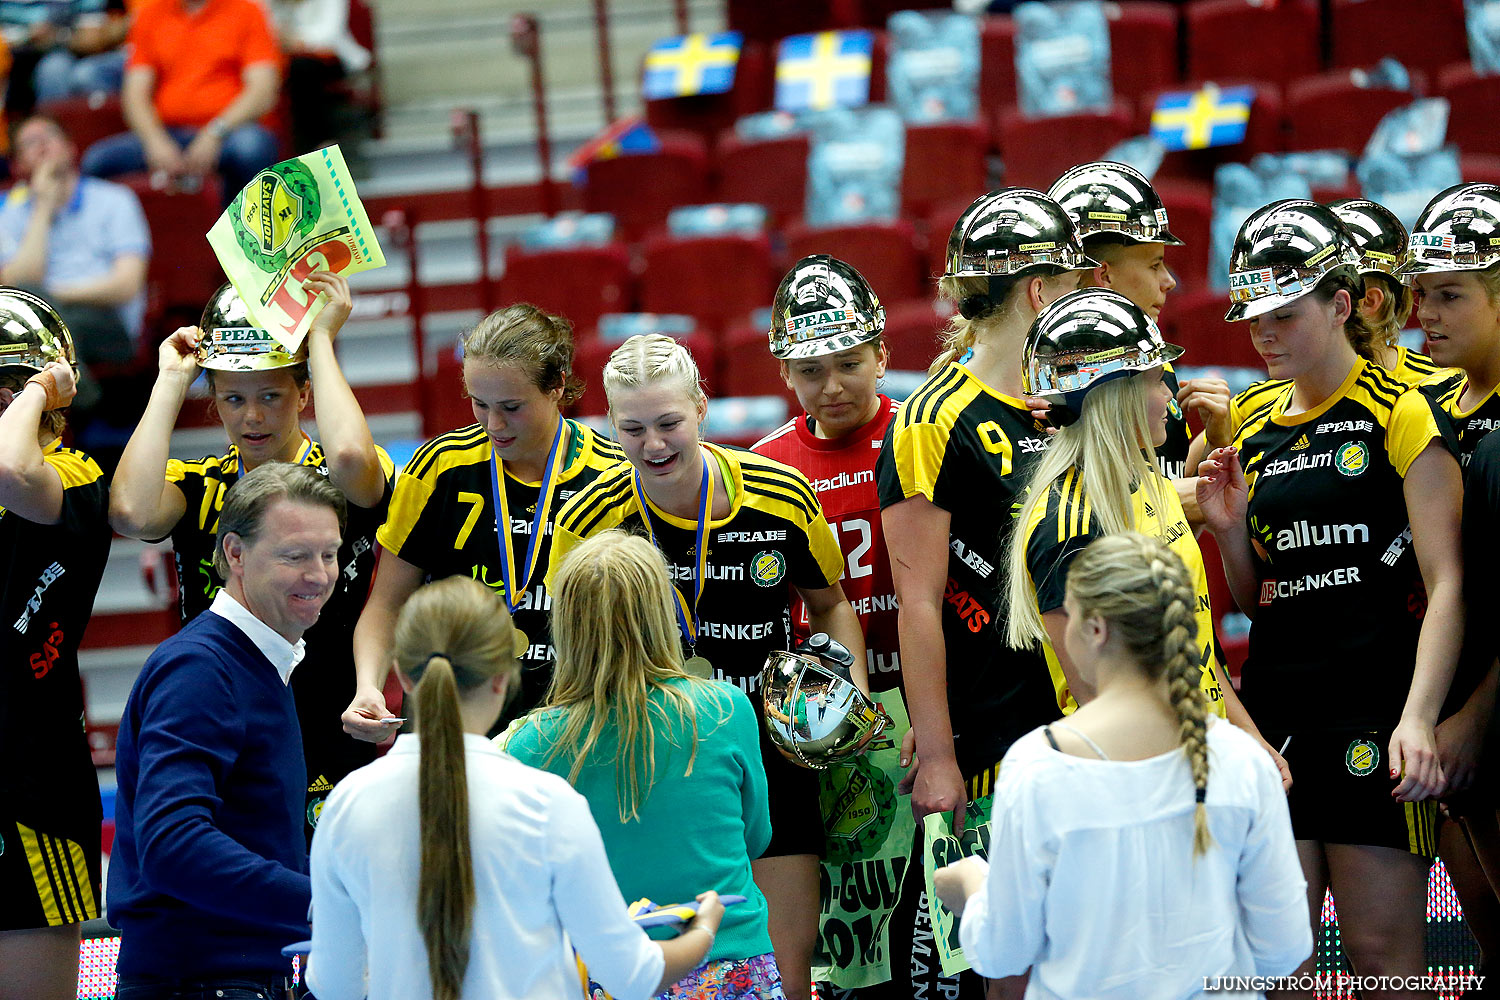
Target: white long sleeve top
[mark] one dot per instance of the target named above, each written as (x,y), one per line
(539,871)
(1093,886)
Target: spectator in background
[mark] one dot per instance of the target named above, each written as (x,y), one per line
(90,59)
(33,29)
(208,876)
(80,242)
(320,52)
(199,76)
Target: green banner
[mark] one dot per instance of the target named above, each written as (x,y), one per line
(940,848)
(870,831)
(296,217)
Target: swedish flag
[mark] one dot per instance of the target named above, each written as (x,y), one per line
(830,69)
(691,64)
(1202,118)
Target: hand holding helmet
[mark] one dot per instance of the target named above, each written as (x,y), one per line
(178,354)
(815,716)
(59,383)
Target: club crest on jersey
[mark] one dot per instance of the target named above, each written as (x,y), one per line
(1173,410)
(768,568)
(1352,458)
(1361,758)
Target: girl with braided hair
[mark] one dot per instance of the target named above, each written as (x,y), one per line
(1116,867)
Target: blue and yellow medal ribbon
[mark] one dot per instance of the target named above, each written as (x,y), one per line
(687,617)
(516,588)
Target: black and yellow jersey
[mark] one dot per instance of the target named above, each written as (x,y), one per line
(203,484)
(968,450)
(1064,526)
(1171,457)
(1340,599)
(443,521)
(1415,368)
(50,577)
(774,535)
(1462,428)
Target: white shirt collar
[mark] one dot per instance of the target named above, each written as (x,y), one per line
(284,656)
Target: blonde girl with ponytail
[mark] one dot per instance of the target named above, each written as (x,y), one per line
(1143,844)
(447,869)
(1100,360)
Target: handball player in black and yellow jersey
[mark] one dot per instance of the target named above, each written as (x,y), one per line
(736,529)
(1387,302)
(1123,226)
(1102,362)
(480,501)
(1355,604)
(1458,306)
(54,531)
(954,460)
(259,392)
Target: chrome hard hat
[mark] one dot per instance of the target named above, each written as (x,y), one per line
(233,342)
(1014,231)
(1459,230)
(32,335)
(1282,252)
(823,306)
(814,716)
(1380,236)
(1084,339)
(1112,198)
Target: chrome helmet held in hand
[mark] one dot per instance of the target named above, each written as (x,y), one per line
(233,342)
(1084,339)
(815,715)
(1282,252)
(32,335)
(823,306)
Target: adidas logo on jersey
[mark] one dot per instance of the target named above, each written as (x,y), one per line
(322,784)
(1302,442)
(1150,510)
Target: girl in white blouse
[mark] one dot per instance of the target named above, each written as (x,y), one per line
(448,870)
(1116,869)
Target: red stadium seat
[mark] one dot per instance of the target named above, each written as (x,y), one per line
(1037,150)
(1363,31)
(580,283)
(1474,107)
(997,62)
(939,223)
(639,189)
(1479,169)
(87,119)
(886,253)
(719,280)
(1264,133)
(709,114)
(1269,41)
(1196,321)
(770,172)
(943,160)
(1331,111)
(771,20)
(1143,46)
(1189,211)
(747,367)
(183,272)
(911,334)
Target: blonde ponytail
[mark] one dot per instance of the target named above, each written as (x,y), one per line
(1144,591)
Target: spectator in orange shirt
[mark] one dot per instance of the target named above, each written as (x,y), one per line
(199,76)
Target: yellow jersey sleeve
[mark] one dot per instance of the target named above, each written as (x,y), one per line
(73,468)
(1413,426)
(408,500)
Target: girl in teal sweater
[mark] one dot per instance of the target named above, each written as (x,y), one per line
(670,764)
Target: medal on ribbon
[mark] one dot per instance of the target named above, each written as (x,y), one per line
(687,616)
(516,583)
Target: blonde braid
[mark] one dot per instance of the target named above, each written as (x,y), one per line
(1174,594)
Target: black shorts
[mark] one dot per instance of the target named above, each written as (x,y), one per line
(48,878)
(796,817)
(1341,793)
